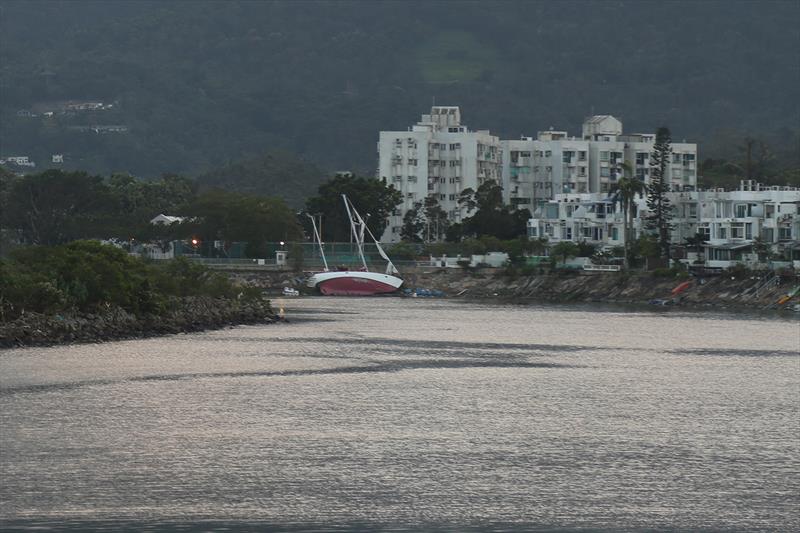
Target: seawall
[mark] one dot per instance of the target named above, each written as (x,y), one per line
(749,291)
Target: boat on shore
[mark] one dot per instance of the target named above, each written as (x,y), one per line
(360,282)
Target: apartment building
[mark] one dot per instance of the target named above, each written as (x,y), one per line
(729,220)
(439,156)
(535,170)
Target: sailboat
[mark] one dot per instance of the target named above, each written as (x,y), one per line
(359,282)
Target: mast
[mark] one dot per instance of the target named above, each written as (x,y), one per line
(358,235)
(319,239)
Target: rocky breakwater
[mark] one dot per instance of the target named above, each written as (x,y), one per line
(746,291)
(181,315)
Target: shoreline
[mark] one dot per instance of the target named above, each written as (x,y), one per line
(187,315)
(743,292)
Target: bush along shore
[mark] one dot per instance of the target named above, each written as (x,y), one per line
(88,292)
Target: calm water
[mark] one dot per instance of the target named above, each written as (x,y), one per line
(413,414)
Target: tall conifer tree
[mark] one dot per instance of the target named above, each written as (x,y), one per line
(660,211)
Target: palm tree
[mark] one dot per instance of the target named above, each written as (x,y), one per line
(625,193)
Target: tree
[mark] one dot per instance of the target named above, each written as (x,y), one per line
(466,200)
(373,199)
(492,217)
(56,207)
(564,250)
(762,249)
(696,242)
(413,224)
(658,204)
(227,216)
(436,220)
(625,192)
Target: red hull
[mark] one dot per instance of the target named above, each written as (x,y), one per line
(347,286)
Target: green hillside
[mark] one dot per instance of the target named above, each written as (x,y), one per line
(197,85)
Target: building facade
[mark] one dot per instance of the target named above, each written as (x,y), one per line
(535,170)
(440,157)
(731,222)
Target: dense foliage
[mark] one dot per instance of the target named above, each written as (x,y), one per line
(374,200)
(226,216)
(201,83)
(56,207)
(89,276)
(491,216)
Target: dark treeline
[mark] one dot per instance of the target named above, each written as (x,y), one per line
(56,207)
(199,84)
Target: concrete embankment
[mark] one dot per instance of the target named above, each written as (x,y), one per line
(184,315)
(749,291)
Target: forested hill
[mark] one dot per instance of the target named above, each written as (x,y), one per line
(196,85)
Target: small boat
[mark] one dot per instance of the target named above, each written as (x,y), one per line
(361,282)
(680,288)
(789,295)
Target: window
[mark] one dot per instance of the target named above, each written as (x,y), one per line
(568,234)
(737,231)
(614,234)
(605,172)
(767,234)
(784,234)
(722,233)
(442,196)
(582,171)
(395,229)
(748,231)
(741,210)
(566,157)
(455,146)
(452,197)
(548,153)
(412,162)
(676,158)
(582,155)
(604,156)
(604,187)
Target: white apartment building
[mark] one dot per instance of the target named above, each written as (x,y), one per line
(533,171)
(730,221)
(554,163)
(438,156)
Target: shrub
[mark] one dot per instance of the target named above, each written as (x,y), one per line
(89,276)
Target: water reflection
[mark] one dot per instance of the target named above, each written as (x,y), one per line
(406,415)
